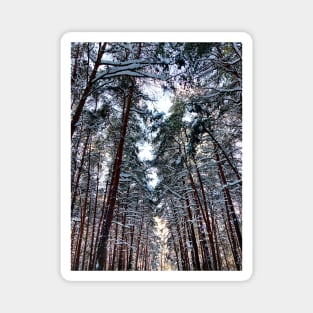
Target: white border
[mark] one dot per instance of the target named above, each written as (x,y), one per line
(65,140)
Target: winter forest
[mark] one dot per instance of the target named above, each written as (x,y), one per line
(156,156)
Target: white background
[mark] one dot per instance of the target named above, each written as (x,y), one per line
(29,167)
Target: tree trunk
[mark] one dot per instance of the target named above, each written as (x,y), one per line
(91,256)
(82,223)
(228,198)
(74,192)
(192,233)
(101,254)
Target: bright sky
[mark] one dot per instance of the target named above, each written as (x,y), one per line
(162,104)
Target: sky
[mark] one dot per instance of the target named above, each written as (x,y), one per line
(162,104)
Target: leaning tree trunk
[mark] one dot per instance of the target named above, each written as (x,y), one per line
(102,247)
(87,90)
(231,214)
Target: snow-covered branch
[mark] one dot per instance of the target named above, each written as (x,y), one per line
(136,61)
(226,90)
(127,72)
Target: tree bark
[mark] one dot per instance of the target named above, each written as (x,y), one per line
(101,254)
(192,233)
(231,214)
(230,205)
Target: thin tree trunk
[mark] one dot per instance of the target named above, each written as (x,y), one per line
(121,261)
(137,248)
(204,210)
(184,257)
(207,222)
(74,73)
(130,259)
(99,225)
(94,220)
(192,233)
(83,217)
(74,192)
(115,248)
(230,206)
(73,235)
(231,238)
(174,245)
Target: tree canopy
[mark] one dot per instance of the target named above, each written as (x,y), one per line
(179,209)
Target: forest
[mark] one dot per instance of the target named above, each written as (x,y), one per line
(156,156)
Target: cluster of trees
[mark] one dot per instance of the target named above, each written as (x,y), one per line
(197,156)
